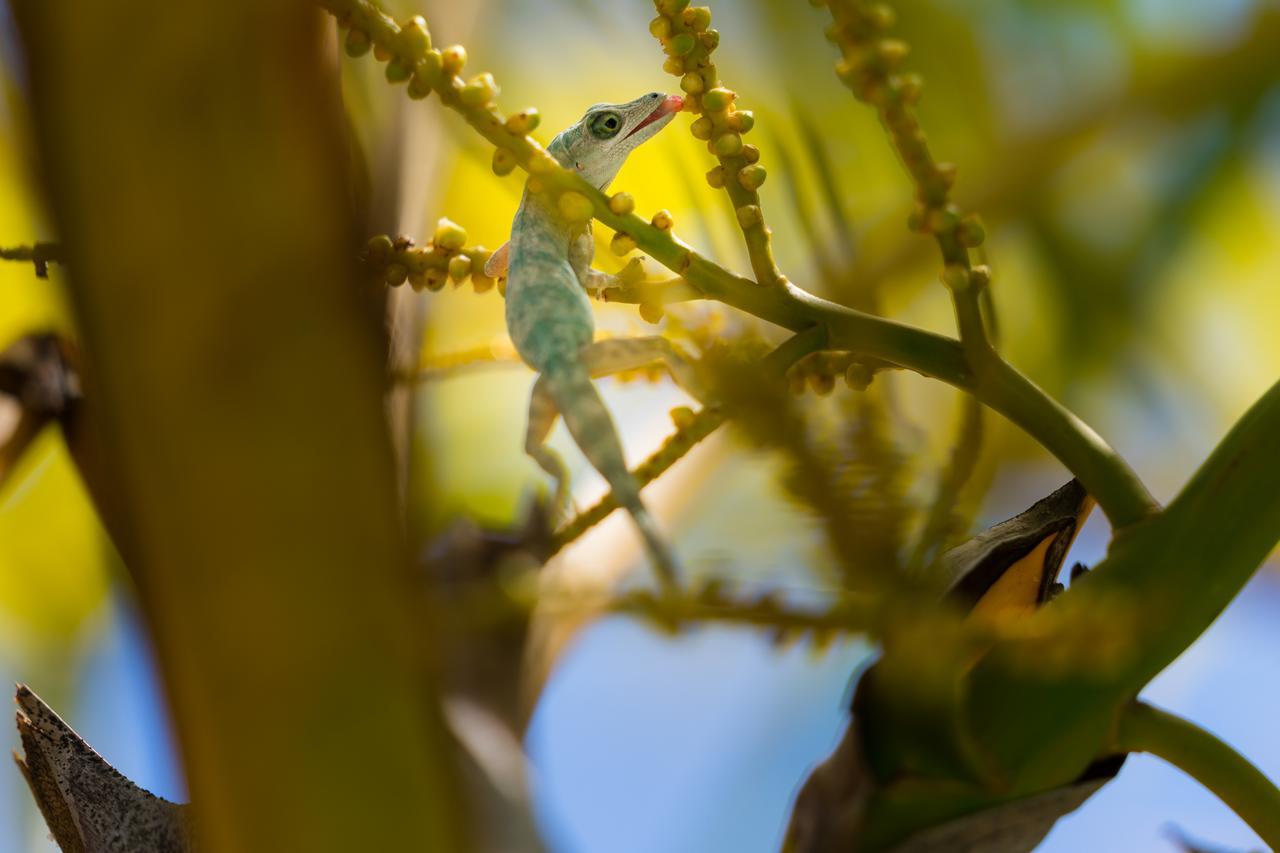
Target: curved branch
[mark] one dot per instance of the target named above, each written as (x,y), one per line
(1205,758)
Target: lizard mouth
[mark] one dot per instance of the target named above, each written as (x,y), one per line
(670,104)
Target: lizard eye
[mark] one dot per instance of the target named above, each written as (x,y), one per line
(605,125)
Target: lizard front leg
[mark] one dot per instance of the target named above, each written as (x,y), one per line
(582,251)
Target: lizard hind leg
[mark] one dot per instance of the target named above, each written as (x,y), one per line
(592,428)
(615,355)
(542,418)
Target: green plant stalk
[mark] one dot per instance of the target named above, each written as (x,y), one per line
(1047,700)
(280,604)
(696,65)
(1205,758)
(1044,701)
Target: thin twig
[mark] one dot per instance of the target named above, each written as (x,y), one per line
(40,254)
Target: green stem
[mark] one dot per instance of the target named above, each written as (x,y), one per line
(1209,761)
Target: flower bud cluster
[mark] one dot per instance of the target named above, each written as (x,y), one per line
(446,258)
(870,65)
(688,41)
(820,370)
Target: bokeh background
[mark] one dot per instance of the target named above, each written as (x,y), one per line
(1126,158)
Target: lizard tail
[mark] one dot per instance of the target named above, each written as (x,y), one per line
(593,430)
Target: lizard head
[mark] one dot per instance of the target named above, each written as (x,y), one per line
(597,146)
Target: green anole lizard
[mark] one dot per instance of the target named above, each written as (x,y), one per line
(549,274)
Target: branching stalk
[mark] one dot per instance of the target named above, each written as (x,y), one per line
(1205,758)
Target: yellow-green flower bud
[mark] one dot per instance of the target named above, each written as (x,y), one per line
(419,87)
(357,42)
(382,28)
(651,313)
(453,59)
(939,220)
(909,88)
(481,282)
(575,206)
(426,75)
(504,161)
(750,153)
(956,277)
(479,91)
(414,37)
(881,16)
(459,267)
(892,52)
(524,122)
(946,173)
(697,18)
(680,44)
(660,27)
(728,144)
(622,244)
(622,203)
(671,7)
(449,236)
(859,376)
(741,120)
(718,99)
(435,279)
(398,71)
(748,215)
(682,417)
(395,275)
(380,53)
(715,178)
(662,220)
(822,383)
(701,128)
(418,280)
(692,83)
(751,177)
(415,259)
(378,248)
(710,39)
(980,276)
(674,66)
